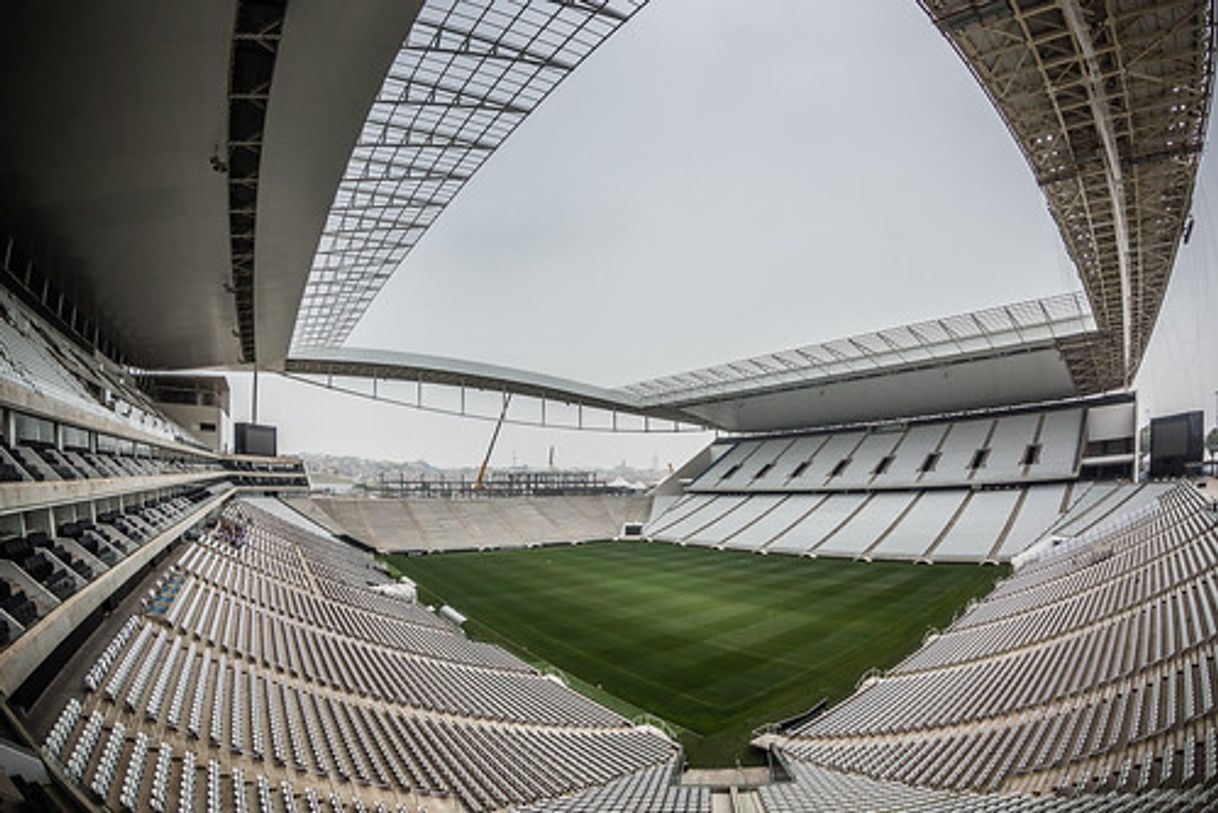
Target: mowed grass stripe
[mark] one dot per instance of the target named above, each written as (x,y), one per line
(715,642)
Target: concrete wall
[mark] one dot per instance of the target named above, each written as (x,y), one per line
(438,524)
(308,507)
(191,417)
(1112,421)
(28,496)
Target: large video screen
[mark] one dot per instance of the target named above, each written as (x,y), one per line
(1169,437)
(1175,442)
(255,439)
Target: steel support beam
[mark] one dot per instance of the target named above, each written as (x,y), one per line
(1112,168)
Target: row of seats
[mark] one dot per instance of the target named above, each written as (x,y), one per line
(1008,449)
(1128,550)
(46,563)
(1184,574)
(146,776)
(816,789)
(342,578)
(943,525)
(1091,670)
(1138,662)
(655,789)
(381,673)
(225,580)
(1057,752)
(39,461)
(248,649)
(318,733)
(17,605)
(101,666)
(44,362)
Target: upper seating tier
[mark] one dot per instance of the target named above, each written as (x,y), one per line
(1016,448)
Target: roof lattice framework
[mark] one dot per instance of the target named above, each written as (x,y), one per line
(1057,320)
(469,72)
(1108,100)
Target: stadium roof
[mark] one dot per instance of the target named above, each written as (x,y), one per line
(1109,104)
(231,179)
(467,75)
(1034,351)
(394,365)
(145,144)
(994,331)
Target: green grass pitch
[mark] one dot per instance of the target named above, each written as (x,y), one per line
(714,642)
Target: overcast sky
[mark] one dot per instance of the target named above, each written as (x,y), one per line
(721,180)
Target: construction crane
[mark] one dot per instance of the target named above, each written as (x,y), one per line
(480,483)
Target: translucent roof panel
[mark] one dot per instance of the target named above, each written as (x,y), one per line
(994,329)
(468,74)
(901,337)
(962,327)
(995,320)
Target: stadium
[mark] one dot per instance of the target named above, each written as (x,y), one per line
(936,566)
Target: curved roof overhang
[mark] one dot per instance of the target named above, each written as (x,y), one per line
(1028,352)
(467,74)
(118,169)
(1109,103)
(389,365)
(117,156)
(329,69)
(111,114)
